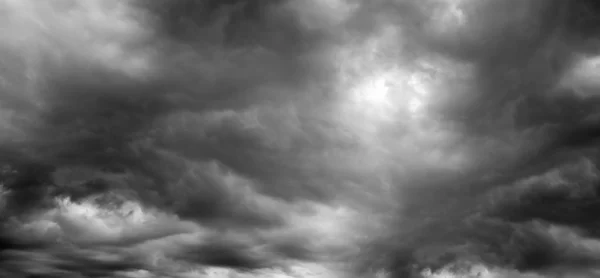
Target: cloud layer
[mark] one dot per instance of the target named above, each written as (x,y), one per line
(334,138)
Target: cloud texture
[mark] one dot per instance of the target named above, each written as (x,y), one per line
(279,138)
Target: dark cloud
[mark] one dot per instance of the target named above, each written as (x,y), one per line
(447,217)
(65,263)
(133,126)
(163,137)
(226,254)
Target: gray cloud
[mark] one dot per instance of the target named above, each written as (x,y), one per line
(513,100)
(170,137)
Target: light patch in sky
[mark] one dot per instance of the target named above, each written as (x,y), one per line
(418,82)
(584,77)
(448,16)
(109,33)
(472,271)
(86,222)
(322,14)
(393,96)
(373,97)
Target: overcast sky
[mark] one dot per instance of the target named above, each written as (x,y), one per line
(299,138)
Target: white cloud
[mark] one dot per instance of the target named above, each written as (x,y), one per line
(88,222)
(106,33)
(583,78)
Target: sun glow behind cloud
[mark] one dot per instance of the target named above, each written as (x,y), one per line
(376,92)
(391,96)
(373,94)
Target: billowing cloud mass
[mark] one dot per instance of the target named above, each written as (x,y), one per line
(299,138)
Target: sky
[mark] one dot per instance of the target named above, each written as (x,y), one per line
(299,138)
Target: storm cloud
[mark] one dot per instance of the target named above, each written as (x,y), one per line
(278,138)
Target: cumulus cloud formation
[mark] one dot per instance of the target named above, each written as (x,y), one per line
(280,138)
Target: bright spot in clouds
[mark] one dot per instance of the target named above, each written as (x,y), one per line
(373,96)
(396,96)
